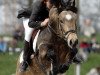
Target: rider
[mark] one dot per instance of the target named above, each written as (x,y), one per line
(38,18)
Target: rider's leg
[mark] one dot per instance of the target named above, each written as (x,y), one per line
(26,55)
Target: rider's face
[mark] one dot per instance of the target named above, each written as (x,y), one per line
(48,4)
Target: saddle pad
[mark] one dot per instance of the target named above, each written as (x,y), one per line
(21,57)
(35,41)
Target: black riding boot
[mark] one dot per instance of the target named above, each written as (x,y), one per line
(26,56)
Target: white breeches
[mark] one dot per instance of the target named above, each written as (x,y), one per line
(28,30)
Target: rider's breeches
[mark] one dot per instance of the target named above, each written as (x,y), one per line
(28,30)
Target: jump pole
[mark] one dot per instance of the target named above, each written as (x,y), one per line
(78,69)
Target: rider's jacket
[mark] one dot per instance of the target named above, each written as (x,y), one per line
(39,13)
(36,14)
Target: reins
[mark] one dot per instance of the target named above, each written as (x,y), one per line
(63,33)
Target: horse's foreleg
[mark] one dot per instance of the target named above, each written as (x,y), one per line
(52,56)
(65,66)
(44,57)
(47,51)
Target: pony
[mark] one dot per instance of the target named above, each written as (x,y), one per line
(56,44)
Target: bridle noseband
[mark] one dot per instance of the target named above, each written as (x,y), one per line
(72,31)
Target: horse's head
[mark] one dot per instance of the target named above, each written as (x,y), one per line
(67,22)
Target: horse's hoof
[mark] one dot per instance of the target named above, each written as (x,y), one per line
(63,68)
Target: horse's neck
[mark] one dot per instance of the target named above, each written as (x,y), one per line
(54,19)
(55,38)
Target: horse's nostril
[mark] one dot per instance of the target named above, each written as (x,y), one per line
(76,42)
(71,42)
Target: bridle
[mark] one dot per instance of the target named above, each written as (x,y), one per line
(60,28)
(67,33)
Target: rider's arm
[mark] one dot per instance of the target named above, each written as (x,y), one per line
(24,12)
(36,8)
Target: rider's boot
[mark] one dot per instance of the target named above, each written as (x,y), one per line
(26,57)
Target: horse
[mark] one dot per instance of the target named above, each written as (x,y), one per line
(55,44)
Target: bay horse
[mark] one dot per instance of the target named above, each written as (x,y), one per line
(55,44)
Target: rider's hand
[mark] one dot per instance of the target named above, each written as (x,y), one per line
(45,22)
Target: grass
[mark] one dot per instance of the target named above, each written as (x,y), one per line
(93,61)
(8,64)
